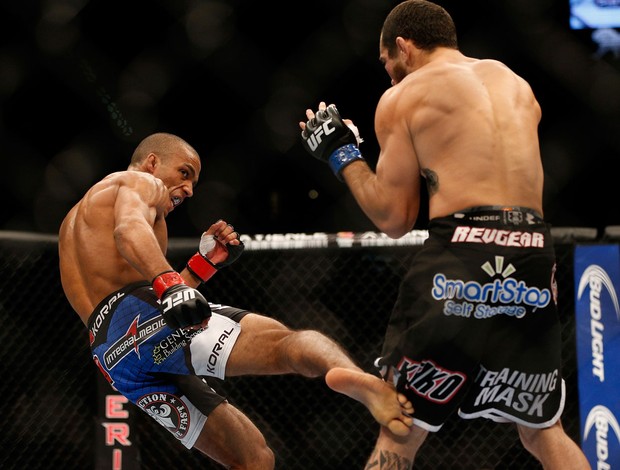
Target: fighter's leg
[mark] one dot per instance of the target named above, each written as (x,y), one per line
(231,439)
(266,346)
(223,432)
(553,448)
(396,452)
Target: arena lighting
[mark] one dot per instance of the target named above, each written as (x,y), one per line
(602,18)
(594,14)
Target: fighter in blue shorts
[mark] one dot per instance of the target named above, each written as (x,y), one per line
(159,368)
(153,334)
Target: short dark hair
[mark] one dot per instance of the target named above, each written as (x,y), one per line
(425,23)
(161,143)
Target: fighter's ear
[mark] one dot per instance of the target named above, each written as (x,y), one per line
(402,45)
(407,50)
(151,162)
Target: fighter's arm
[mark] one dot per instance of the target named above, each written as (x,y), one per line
(140,199)
(140,205)
(390,197)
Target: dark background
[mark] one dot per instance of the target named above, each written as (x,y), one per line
(82,82)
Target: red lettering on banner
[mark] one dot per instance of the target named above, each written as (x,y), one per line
(114,407)
(116,432)
(117,459)
(115,450)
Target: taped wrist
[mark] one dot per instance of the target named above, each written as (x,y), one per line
(201,267)
(165,281)
(342,157)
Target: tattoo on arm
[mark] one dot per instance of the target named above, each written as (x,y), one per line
(385,460)
(432,180)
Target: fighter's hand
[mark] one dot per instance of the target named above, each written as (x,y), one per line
(182,306)
(329,138)
(219,247)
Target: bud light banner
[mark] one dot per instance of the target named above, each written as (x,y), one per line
(597,287)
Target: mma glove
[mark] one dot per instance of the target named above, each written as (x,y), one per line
(201,267)
(327,138)
(182,306)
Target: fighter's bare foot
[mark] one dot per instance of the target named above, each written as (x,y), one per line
(391,409)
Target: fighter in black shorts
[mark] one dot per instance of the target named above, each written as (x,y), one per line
(475,326)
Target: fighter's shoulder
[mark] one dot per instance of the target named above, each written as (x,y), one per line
(493,68)
(488,63)
(402,96)
(128,184)
(133,179)
(129,177)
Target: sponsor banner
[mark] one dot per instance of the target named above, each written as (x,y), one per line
(293,241)
(115,448)
(597,308)
(304,241)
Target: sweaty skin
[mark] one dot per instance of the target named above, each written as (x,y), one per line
(469,127)
(450,116)
(117,234)
(98,235)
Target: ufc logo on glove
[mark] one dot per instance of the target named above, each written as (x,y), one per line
(178,298)
(327,138)
(315,139)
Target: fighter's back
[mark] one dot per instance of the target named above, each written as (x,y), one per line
(91,266)
(474,126)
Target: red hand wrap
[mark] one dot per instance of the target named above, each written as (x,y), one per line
(200,267)
(166,280)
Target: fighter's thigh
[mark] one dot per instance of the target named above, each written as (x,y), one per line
(259,349)
(230,438)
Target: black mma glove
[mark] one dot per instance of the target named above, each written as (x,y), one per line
(182,306)
(202,267)
(327,138)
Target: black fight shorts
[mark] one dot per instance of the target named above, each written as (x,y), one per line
(475,326)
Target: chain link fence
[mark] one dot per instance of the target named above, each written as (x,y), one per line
(49,391)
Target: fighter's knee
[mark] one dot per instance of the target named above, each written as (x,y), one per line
(311,353)
(528,439)
(264,459)
(531,437)
(257,456)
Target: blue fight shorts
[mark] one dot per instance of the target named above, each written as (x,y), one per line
(157,368)
(475,326)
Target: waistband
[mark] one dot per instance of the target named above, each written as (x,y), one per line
(507,215)
(109,304)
